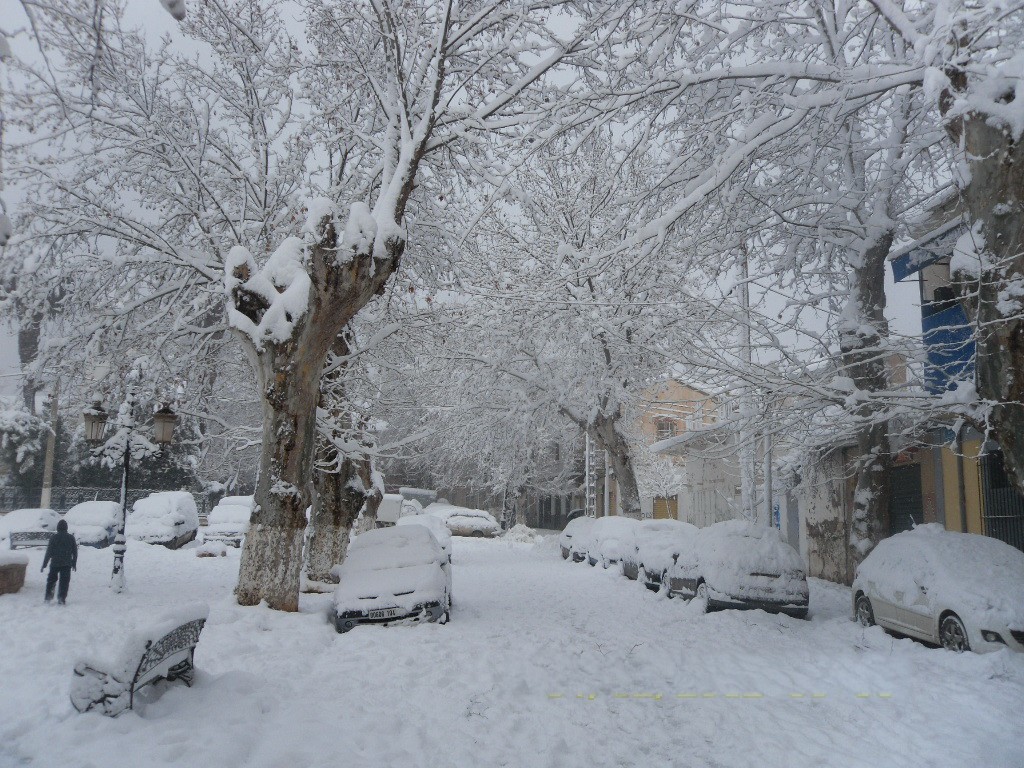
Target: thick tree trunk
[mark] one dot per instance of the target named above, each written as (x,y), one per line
(339,497)
(29,330)
(995,199)
(272,556)
(606,434)
(289,374)
(862,332)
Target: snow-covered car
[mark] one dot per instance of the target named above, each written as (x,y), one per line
(463,521)
(93,523)
(389,510)
(423,496)
(168,518)
(436,526)
(737,564)
(393,507)
(658,543)
(958,590)
(228,522)
(28,527)
(609,540)
(392,574)
(574,533)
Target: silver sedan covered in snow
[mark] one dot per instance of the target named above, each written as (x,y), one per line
(959,590)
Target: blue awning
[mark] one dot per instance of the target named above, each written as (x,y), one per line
(933,247)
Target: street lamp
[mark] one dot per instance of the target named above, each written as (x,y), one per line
(95,418)
(121,446)
(163,425)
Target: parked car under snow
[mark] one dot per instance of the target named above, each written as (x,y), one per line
(658,543)
(168,518)
(958,590)
(736,564)
(93,523)
(463,521)
(609,540)
(435,525)
(573,537)
(399,573)
(228,522)
(28,527)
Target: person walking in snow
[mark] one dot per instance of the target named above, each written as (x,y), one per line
(62,555)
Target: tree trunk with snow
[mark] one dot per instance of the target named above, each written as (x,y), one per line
(863,331)
(288,315)
(995,199)
(340,495)
(605,432)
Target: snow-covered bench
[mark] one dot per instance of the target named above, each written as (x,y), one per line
(163,651)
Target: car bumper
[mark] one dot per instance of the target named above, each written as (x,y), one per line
(1013,639)
(430,612)
(795,607)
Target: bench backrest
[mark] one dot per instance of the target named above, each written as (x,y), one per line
(181,638)
(30,538)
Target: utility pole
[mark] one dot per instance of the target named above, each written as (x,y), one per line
(747,448)
(769,491)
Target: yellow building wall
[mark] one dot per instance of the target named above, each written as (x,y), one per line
(972,487)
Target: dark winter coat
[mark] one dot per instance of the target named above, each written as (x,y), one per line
(62,551)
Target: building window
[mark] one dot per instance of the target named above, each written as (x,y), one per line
(666,428)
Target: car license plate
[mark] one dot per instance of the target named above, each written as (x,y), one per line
(384,613)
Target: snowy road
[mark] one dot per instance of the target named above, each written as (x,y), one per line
(544,664)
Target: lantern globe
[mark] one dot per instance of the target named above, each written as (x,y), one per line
(163,425)
(95,418)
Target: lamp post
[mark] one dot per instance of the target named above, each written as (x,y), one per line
(120,447)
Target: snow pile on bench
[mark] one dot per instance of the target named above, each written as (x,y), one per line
(109,682)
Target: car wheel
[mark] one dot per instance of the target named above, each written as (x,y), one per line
(865,615)
(703,595)
(953,634)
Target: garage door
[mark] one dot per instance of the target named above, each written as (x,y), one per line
(666,508)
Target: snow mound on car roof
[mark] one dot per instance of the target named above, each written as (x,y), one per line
(99,513)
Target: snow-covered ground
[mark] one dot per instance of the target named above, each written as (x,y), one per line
(545,663)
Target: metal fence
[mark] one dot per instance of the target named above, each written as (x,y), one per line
(62,499)
(1003,512)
